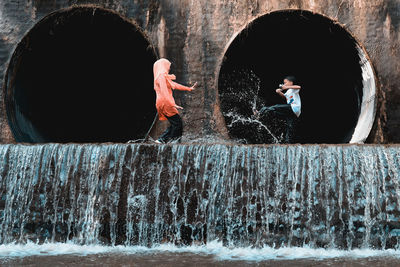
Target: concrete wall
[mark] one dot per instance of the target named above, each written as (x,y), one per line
(195,35)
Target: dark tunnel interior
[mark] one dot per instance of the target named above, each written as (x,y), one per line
(321,54)
(81,75)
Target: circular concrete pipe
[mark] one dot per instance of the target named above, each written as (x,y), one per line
(82,74)
(338,83)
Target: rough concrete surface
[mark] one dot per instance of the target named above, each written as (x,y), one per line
(195,35)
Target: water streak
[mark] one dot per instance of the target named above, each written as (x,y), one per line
(317,196)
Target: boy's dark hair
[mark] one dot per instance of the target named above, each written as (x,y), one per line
(291,78)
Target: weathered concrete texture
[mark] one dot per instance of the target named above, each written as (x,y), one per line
(195,35)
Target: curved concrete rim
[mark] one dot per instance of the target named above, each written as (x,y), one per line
(369,100)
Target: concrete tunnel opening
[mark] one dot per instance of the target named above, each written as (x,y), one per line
(338,84)
(82,74)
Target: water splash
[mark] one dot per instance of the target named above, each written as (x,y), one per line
(215,249)
(336,197)
(239,99)
(250,121)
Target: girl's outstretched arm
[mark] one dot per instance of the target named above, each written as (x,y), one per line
(181,87)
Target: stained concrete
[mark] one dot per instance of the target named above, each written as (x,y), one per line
(196,34)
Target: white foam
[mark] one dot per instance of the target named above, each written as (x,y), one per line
(214,248)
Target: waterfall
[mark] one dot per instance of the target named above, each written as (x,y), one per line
(330,196)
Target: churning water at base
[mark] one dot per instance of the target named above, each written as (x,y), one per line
(256,201)
(214,249)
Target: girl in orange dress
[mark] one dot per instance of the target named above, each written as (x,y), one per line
(166,107)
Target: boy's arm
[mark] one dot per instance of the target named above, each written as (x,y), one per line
(279,92)
(295,87)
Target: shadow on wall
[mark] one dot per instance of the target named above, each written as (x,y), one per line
(325,58)
(81,75)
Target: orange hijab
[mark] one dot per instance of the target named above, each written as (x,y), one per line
(162,66)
